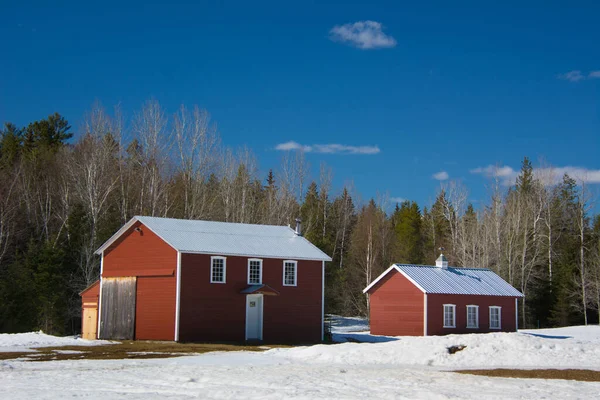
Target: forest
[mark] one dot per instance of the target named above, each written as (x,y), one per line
(63,192)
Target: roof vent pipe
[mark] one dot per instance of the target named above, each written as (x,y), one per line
(298,227)
(442,262)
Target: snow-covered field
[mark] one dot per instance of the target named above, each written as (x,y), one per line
(20,342)
(390,367)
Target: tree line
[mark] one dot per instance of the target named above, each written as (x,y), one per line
(62,195)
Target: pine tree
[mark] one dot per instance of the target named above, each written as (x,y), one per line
(409,238)
(525,179)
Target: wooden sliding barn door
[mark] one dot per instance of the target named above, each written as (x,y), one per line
(117,320)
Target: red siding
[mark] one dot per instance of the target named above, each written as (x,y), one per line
(90,295)
(435,313)
(396,307)
(217,312)
(142,254)
(154,308)
(294,315)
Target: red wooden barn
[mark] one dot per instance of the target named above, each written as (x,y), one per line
(421,300)
(186,280)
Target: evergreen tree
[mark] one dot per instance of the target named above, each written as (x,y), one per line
(50,133)
(440,232)
(566,255)
(409,237)
(525,180)
(11,142)
(309,213)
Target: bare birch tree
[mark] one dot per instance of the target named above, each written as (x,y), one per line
(196,142)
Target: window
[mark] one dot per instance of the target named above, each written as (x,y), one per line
(217,270)
(449,316)
(290,270)
(254,271)
(495,317)
(472,316)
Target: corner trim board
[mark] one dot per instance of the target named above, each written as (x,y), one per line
(516,314)
(100,297)
(425,314)
(323,301)
(178,296)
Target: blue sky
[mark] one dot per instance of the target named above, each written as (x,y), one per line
(433,89)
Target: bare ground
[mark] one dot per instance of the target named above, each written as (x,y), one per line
(128,350)
(585,375)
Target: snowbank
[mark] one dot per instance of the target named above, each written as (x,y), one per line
(13,342)
(570,347)
(402,368)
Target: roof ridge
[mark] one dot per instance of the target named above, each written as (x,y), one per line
(433,266)
(209,221)
(220,233)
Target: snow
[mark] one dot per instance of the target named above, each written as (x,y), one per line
(571,347)
(23,342)
(386,368)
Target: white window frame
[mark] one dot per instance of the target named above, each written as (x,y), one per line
(453,307)
(212,265)
(476,326)
(260,272)
(295,272)
(499,317)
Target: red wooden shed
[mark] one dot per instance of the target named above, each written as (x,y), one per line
(186,280)
(421,300)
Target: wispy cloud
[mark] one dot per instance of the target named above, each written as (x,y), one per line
(572,76)
(333,148)
(507,175)
(365,35)
(441,176)
(397,199)
(577,75)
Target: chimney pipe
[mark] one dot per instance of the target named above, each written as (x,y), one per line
(298,227)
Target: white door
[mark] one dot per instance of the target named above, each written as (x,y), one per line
(254,316)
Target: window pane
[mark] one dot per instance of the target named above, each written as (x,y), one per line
(495,317)
(448,316)
(472,317)
(218,270)
(290,273)
(254,275)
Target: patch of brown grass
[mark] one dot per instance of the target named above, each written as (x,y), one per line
(129,350)
(584,375)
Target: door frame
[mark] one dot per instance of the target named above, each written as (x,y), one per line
(262,316)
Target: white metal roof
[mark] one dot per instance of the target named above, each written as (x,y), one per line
(225,238)
(436,280)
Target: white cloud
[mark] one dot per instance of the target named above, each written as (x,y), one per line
(333,148)
(549,176)
(506,174)
(397,199)
(577,75)
(441,176)
(578,173)
(362,34)
(291,145)
(572,76)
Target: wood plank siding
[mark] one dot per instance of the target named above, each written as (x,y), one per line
(142,254)
(435,313)
(117,319)
(396,307)
(217,311)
